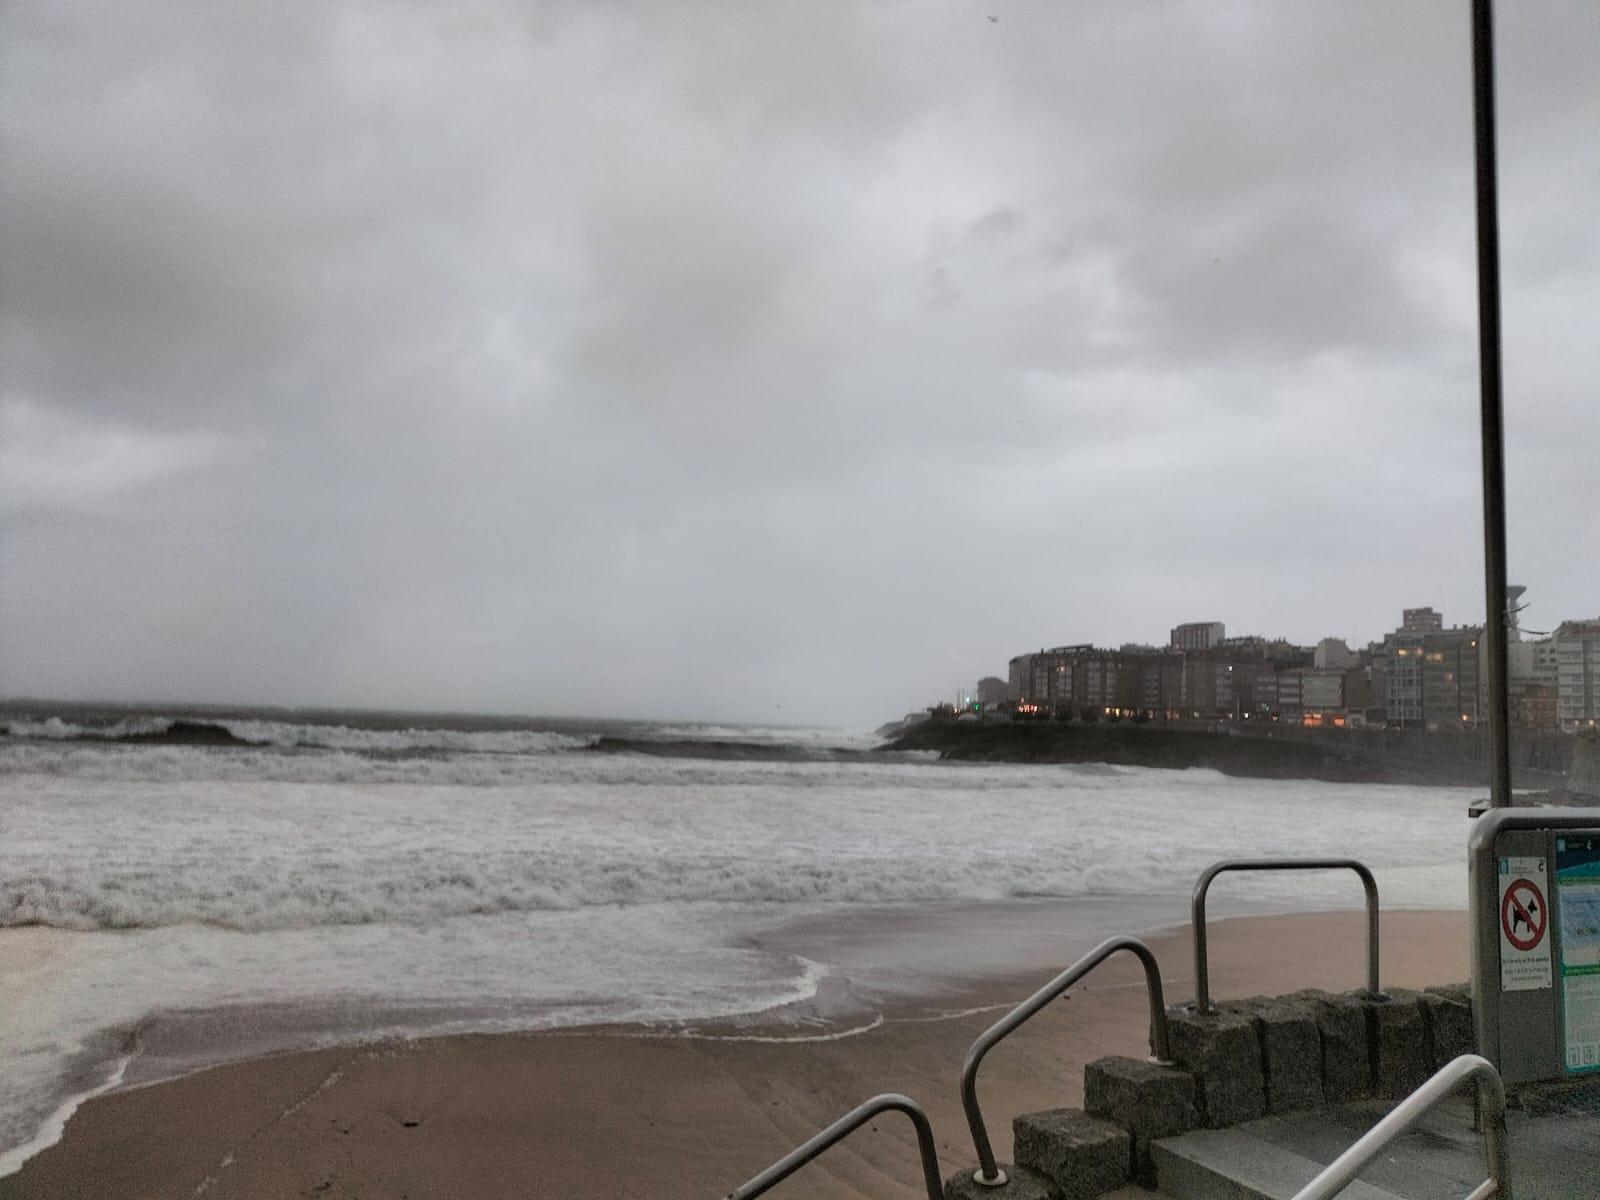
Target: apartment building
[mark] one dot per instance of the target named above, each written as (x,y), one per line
(1577,653)
(1426,675)
(1197,635)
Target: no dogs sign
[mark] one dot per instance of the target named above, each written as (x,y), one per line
(1524,925)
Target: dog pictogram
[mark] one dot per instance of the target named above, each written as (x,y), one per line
(1523,914)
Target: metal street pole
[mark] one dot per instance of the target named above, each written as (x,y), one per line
(1494,510)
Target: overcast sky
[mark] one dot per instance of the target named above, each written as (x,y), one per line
(770,362)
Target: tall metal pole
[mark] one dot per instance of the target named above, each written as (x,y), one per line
(1494,508)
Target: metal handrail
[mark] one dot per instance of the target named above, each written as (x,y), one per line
(842,1128)
(1202,978)
(988,1174)
(1342,1171)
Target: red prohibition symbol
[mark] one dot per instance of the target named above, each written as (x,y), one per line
(1523,914)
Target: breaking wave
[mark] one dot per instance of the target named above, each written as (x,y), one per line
(285,895)
(54,729)
(275,873)
(244,732)
(731,749)
(175,762)
(298,826)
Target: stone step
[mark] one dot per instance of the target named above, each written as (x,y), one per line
(1023,1184)
(1148,1100)
(1082,1156)
(1020,1184)
(1230,1164)
(1441,1158)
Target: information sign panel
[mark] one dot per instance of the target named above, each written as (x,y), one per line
(1534,882)
(1578,885)
(1524,925)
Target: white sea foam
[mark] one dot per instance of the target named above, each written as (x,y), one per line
(54,1123)
(268,855)
(771,735)
(111,762)
(770,1039)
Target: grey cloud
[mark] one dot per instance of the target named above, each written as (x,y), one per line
(702,359)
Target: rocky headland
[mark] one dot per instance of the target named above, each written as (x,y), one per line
(1340,756)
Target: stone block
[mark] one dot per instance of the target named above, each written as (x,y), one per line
(1148,1100)
(1402,1051)
(1223,1054)
(1346,1045)
(1461,993)
(1291,1052)
(1020,1184)
(1082,1156)
(1449,1014)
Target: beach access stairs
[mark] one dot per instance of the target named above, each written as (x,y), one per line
(1260,1096)
(1272,1098)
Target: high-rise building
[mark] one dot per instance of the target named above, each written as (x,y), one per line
(1428,675)
(1322,689)
(1400,659)
(1048,677)
(1136,680)
(1533,706)
(1289,689)
(1205,686)
(1197,635)
(1421,620)
(1019,676)
(1531,662)
(1450,674)
(1577,645)
(1332,654)
(993,690)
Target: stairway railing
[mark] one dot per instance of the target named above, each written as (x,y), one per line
(1342,1171)
(989,1174)
(1202,978)
(843,1128)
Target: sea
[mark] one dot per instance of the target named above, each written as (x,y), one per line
(188,887)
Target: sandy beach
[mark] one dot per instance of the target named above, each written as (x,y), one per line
(671,1112)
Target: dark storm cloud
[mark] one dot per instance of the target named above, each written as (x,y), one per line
(706,358)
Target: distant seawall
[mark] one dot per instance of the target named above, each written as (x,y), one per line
(1335,755)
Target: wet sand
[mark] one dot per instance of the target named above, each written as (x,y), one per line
(674,1112)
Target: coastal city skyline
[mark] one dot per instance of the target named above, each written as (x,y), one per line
(1423,674)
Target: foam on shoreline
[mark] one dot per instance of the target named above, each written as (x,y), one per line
(620,1106)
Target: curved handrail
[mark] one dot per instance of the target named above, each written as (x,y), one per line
(842,1128)
(1202,979)
(988,1174)
(1342,1171)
